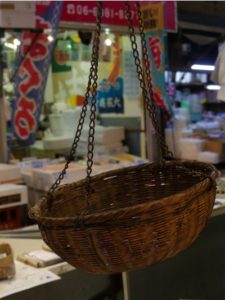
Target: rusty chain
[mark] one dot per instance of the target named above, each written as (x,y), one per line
(91,133)
(91,93)
(145,80)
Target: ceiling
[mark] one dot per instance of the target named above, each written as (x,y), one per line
(208,15)
(201,28)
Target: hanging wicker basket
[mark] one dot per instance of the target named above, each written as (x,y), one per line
(137,216)
(129,218)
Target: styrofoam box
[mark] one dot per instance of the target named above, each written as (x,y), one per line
(9,173)
(209,157)
(27,175)
(13,195)
(33,163)
(123,160)
(44,178)
(188,155)
(100,148)
(104,135)
(193,145)
(55,143)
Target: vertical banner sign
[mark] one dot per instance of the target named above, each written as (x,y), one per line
(156,52)
(33,63)
(153,15)
(111,89)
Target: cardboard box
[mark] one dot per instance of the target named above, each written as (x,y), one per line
(216,145)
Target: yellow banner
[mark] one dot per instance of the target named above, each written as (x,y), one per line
(153,16)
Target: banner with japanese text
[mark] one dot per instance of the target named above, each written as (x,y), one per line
(32,66)
(159,15)
(156,53)
(111,86)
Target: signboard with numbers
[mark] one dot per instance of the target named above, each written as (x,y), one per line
(113,12)
(85,12)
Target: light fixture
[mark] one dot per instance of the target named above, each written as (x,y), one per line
(108,42)
(213,87)
(16,42)
(107,31)
(202,67)
(50,38)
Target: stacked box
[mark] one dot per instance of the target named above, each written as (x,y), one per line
(9,173)
(44,178)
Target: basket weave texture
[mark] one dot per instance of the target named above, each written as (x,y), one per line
(135,216)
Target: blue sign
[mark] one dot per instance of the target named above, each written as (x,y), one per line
(110,96)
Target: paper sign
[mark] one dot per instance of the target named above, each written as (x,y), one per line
(153,16)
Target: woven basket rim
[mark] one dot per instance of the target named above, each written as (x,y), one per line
(88,218)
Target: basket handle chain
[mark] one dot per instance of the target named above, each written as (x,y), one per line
(91,132)
(90,92)
(146,80)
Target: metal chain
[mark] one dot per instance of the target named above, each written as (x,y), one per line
(94,66)
(91,91)
(151,105)
(147,91)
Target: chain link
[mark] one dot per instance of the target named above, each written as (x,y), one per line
(91,91)
(151,105)
(145,81)
(91,133)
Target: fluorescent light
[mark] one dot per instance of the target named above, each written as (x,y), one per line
(108,42)
(203,67)
(213,87)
